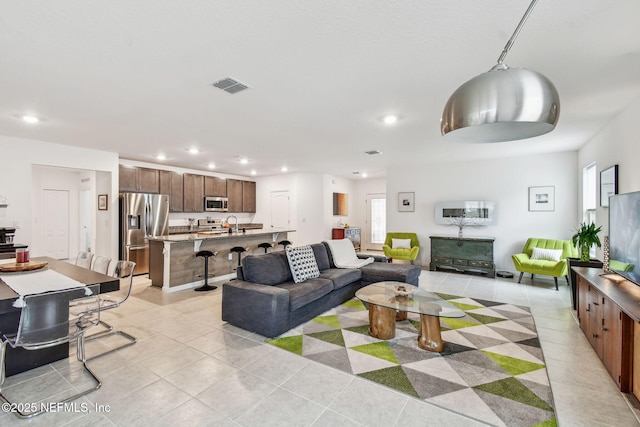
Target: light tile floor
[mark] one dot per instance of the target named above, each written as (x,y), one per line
(189,368)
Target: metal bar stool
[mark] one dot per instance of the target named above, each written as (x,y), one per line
(285,243)
(266,246)
(238,250)
(206,286)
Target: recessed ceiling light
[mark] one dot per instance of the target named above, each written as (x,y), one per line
(364,175)
(284,169)
(244,160)
(211,165)
(253,172)
(161,157)
(30,119)
(193,150)
(390,119)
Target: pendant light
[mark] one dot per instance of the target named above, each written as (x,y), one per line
(503,104)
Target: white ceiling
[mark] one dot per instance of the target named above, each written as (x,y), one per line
(134,76)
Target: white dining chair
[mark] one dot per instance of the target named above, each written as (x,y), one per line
(84,260)
(101,264)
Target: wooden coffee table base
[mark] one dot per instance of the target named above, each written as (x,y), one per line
(382,322)
(430,338)
(382,325)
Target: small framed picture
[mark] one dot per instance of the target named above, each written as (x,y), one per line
(103,202)
(542,199)
(406,202)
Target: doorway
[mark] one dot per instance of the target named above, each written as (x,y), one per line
(55,223)
(376,230)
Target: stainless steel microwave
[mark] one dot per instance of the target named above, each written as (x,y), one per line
(216,204)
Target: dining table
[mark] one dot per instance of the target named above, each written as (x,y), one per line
(20,360)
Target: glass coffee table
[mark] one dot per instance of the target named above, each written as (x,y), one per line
(391,301)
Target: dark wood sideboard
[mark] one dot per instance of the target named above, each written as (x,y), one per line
(609,316)
(468,255)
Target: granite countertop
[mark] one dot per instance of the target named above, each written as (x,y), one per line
(207,235)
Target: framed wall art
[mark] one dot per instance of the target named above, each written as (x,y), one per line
(340,204)
(608,184)
(406,202)
(542,199)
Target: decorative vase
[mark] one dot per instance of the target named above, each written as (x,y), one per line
(584,253)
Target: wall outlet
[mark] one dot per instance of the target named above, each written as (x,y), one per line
(230,256)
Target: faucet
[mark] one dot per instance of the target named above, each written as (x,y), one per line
(236,218)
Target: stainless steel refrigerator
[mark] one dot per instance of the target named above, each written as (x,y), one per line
(141,216)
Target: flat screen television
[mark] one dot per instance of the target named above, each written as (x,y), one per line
(624,235)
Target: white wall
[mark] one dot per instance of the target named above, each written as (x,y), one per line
(20,154)
(617,143)
(505,181)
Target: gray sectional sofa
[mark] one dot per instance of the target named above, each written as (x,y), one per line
(265,299)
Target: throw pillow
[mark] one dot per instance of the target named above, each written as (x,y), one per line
(401,243)
(546,254)
(302,263)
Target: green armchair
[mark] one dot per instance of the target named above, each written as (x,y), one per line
(404,253)
(525,263)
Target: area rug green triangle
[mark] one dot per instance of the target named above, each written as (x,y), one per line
(333,337)
(378,349)
(458,323)
(512,365)
(484,319)
(331,320)
(447,297)
(355,303)
(511,388)
(393,377)
(292,344)
(414,366)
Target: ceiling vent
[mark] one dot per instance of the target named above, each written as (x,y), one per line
(230,85)
(372,152)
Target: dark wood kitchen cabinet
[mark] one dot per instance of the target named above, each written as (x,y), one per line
(242,195)
(171,183)
(139,180)
(215,187)
(193,193)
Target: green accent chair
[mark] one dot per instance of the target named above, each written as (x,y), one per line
(401,253)
(524,263)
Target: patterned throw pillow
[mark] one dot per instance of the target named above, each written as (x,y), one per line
(302,263)
(546,254)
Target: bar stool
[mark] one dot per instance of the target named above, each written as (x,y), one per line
(266,246)
(285,243)
(206,286)
(238,250)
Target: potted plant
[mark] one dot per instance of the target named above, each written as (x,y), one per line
(586,236)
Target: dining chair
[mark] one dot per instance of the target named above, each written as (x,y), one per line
(101,264)
(46,320)
(123,270)
(84,260)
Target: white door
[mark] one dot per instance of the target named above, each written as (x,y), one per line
(280,209)
(55,223)
(376,229)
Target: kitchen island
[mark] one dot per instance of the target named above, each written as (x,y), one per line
(173,264)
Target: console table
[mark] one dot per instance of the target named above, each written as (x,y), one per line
(609,316)
(351,233)
(468,255)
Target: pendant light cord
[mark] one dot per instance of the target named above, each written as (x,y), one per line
(507,47)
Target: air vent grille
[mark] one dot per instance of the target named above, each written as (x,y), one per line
(230,85)
(372,152)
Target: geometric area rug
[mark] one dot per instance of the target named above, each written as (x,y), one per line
(492,368)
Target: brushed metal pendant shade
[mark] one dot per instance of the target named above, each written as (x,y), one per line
(503,104)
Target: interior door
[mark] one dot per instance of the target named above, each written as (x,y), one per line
(55,223)
(280,210)
(376,222)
